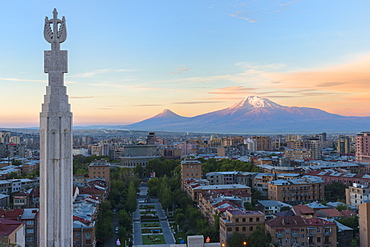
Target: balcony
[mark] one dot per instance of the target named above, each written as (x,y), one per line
(327,233)
(295,235)
(310,234)
(280,235)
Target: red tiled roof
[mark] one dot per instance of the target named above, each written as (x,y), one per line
(21,193)
(8,226)
(347,213)
(330,212)
(295,221)
(302,210)
(13,214)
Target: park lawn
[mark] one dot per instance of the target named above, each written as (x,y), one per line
(153,239)
(151,224)
(152,230)
(146,207)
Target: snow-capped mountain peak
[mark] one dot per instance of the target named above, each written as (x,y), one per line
(252,102)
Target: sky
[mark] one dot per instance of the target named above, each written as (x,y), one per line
(130,60)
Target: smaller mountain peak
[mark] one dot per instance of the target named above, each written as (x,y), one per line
(166,113)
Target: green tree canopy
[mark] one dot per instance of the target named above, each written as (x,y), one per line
(335,191)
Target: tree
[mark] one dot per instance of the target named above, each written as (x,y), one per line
(124,220)
(342,207)
(236,240)
(131,203)
(353,243)
(139,171)
(285,208)
(153,185)
(12,175)
(248,206)
(335,191)
(259,238)
(350,222)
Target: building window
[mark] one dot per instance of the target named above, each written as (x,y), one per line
(251,228)
(29,231)
(250,219)
(318,239)
(30,222)
(88,235)
(236,229)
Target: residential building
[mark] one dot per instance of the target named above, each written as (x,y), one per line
(30,219)
(83,233)
(357,194)
(190,168)
(100,169)
(211,203)
(262,143)
(270,207)
(314,144)
(261,180)
(295,191)
(344,144)
(4,201)
(12,232)
(363,147)
(291,231)
(241,221)
(222,177)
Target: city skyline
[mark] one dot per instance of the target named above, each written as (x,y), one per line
(130,60)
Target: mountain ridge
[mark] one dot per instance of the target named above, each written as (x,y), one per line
(254,114)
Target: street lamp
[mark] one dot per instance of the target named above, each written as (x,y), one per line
(245,243)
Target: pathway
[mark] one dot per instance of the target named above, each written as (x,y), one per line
(168,236)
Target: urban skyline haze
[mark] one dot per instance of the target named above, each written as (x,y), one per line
(129,60)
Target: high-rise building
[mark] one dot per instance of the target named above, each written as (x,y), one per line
(150,140)
(55,226)
(314,144)
(190,168)
(363,147)
(262,143)
(343,145)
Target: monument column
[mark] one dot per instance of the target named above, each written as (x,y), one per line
(56,214)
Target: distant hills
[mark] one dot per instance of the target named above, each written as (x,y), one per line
(255,115)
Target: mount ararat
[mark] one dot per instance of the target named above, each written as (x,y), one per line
(255,115)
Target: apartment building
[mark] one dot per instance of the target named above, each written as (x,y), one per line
(100,169)
(295,191)
(190,168)
(357,194)
(291,231)
(363,147)
(222,177)
(261,180)
(241,221)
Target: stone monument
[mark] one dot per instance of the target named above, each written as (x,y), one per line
(55,227)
